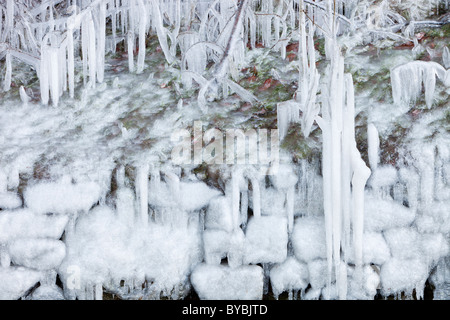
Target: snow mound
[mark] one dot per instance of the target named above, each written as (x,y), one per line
(308,238)
(16,281)
(218,215)
(224,283)
(289,275)
(23,223)
(219,244)
(10,200)
(399,275)
(40,254)
(381,214)
(62,197)
(266,240)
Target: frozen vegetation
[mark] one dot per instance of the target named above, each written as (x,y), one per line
(354,202)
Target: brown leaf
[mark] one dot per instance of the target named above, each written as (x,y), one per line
(292,47)
(266,84)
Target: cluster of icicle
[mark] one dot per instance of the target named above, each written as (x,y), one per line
(49,36)
(54,35)
(408,80)
(344,172)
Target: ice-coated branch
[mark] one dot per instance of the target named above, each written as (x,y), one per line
(222,66)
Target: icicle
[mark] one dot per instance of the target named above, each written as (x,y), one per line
(327,191)
(8,73)
(373,141)
(5,259)
(290,201)
(44,76)
(120,176)
(23,95)
(427,169)
(84,49)
(244,207)
(9,16)
(407,81)
(115,83)
(142,187)
(236,176)
(161,32)
(287,112)
(446,58)
(92,56)
(101,42)
(360,176)
(256,197)
(98,291)
(70,63)
(54,75)
(142,29)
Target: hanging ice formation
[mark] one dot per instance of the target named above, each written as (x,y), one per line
(446,58)
(344,173)
(407,81)
(305,99)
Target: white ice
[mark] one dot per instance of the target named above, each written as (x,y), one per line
(308,238)
(224,283)
(266,240)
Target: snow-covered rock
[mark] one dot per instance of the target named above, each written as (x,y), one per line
(266,240)
(399,275)
(47,292)
(380,214)
(308,238)
(218,215)
(225,283)
(186,195)
(23,223)
(375,249)
(318,270)
(10,200)
(16,281)
(40,254)
(289,275)
(62,196)
(219,244)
